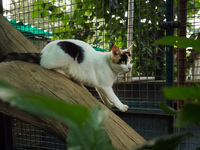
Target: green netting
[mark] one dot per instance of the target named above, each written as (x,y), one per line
(29,30)
(98,48)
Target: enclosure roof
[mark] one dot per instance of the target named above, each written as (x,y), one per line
(28,29)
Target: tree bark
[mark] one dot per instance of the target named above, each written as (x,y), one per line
(32,77)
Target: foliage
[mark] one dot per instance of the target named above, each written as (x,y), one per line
(180,42)
(146,55)
(85,126)
(86,20)
(188,115)
(190,44)
(104,23)
(192,13)
(167,142)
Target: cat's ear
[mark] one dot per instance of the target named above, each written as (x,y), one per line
(115,50)
(129,49)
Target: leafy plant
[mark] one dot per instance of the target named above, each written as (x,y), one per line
(188,115)
(104,23)
(180,42)
(192,49)
(85,126)
(167,142)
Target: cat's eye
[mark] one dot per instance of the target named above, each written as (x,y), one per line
(123,62)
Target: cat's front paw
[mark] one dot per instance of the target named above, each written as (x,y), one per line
(123,108)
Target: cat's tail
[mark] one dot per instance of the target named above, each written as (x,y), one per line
(28,57)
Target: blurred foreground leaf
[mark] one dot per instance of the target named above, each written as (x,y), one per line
(167,109)
(90,136)
(166,142)
(180,42)
(85,126)
(43,105)
(182,93)
(188,115)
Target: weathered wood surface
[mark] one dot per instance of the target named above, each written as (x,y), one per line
(34,78)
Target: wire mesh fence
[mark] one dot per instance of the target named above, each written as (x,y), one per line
(104,24)
(188,61)
(26,136)
(193,25)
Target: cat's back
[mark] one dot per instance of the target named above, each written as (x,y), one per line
(75,48)
(68,45)
(68,51)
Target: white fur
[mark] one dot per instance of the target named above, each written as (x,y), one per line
(97,70)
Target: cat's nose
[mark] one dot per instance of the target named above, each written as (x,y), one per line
(129,69)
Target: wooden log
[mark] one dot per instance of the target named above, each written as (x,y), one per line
(32,77)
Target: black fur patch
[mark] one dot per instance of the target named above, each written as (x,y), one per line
(73,50)
(28,57)
(123,58)
(128,53)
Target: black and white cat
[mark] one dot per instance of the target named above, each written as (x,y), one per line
(78,61)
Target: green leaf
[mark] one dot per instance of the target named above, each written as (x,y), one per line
(102,141)
(46,5)
(180,42)
(182,93)
(85,127)
(38,5)
(54,9)
(166,142)
(80,21)
(188,115)
(97,117)
(90,136)
(43,105)
(167,109)
(36,14)
(38,2)
(60,15)
(44,14)
(53,17)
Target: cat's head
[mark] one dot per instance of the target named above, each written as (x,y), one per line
(121,59)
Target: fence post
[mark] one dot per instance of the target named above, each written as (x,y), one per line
(170,49)
(6,139)
(130,33)
(181,57)
(160,56)
(1,7)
